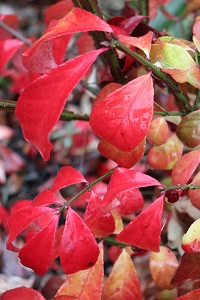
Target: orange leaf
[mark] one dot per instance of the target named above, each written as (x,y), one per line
(122,282)
(84,285)
(163,266)
(143,42)
(158,131)
(196,33)
(164,157)
(194,195)
(191,239)
(185,167)
(122,158)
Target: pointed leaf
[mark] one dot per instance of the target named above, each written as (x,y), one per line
(165,156)
(123,180)
(185,167)
(144,231)
(122,158)
(194,195)
(188,268)
(196,33)
(79,250)
(100,223)
(39,257)
(191,239)
(46,197)
(122,282)
(77,20)
(163,266)
(127,112)
(26,215)
(37,108)
(85,284)
(143,42)
(193,295)
(65,177)
(21,293)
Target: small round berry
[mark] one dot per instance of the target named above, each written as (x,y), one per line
(171,196)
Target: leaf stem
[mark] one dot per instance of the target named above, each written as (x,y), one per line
(181,97)
(143,9)
(111,241)
(8,105)
(90,185)
(162,113)
(180,187)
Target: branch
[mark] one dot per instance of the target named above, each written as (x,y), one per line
(180,187)
(15,33)
(180,96)
(8,105)
(110,56)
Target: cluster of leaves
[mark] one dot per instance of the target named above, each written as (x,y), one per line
(163,73)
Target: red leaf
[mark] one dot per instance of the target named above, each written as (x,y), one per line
(4,215)
(193,295)
(127,112)
(131,201)
(38,110)
(100,223)
(46,197)
(26,215)
(76,20)
(123,180)
(185,167)
(11,21)
(65,177)
(57,11)
(38,251)
(20,204)
(22,293)
(188,268)
(7,50)
(122,282)
(86,284)
(144,231)
(122,158)
(131,23)
(79,250)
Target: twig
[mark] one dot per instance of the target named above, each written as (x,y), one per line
(8,105)
(15,33)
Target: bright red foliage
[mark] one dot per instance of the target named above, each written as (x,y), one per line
(34,114)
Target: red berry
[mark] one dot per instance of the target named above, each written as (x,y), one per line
(171,196)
